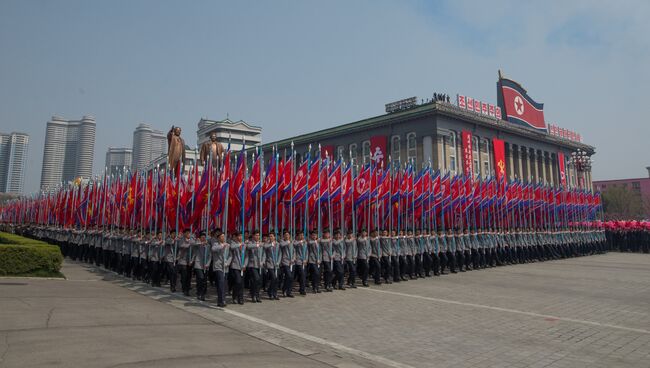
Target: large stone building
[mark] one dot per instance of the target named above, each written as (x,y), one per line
(432,131)
(148,144)
(13,156)
(235,132)
(118,160)
(69,150)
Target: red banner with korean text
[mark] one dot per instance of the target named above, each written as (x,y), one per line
(378,150)
(561,166)
(499,158)
(468,160)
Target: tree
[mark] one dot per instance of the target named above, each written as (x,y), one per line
(622,204)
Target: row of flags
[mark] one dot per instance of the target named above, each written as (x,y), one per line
(316,193)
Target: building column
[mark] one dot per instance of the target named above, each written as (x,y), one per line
(535,159)
(509,161)
(550,169)
(427,150)
(520,171)
(439,160)
(543,159)
(528,174)
(459,153)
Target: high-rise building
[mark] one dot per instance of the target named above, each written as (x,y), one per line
(118,160)
(13,156)
(148,144)
(69,150)
(235,132)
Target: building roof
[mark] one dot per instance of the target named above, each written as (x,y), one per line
(435,107)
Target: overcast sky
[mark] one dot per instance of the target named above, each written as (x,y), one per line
(296,66)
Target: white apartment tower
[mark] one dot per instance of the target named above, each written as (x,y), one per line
(148,144)
(69,150)
(13,157)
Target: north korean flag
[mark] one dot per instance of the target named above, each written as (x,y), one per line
(518,107)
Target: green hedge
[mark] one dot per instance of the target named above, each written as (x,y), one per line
(6,238)
(28,257)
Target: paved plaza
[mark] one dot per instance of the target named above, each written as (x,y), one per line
(582,312)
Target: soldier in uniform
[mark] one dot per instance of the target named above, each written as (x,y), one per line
(271,265)
(351,258)
(375,254)
(363,252)
(394,256)
(169,260)
(254,261)
(201,255)
(220,256)
(287,260)
(327,266)
(236,267)
(155,250)
(183,246)
(313,261)
(338,255)
(300,262)
(386,267)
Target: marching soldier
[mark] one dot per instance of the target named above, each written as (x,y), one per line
(338,254)
(363,252)
(183,246)
(300,262)
(286,264)
(313,261)
(220,256)
(351,258)
(254,261)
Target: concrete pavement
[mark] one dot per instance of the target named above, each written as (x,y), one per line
(581,312)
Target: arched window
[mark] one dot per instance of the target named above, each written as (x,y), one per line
(353,153)
(485,156)
(450,143)
(340,152)
(395,149)
(411,149)
(476,158)
(365,151)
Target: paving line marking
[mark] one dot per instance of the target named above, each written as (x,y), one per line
(508,310)
(275,326)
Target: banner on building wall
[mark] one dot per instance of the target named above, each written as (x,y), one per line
(499,158)
(562,168)
(378,149)
(468,160)
(327,151)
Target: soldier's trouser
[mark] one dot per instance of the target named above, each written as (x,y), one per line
(395,266)
(237,285)
(201,282)
(339,274)
(272,282)
(467,256)
(435,263)
(185,272)
(410,266)
(171,275)
(460,260)
(220,284)
(375,266)
(403,266)
(386,270)
(254,280)
(299,273)
(352,272)
(451,261)
(155,273)
(362,269)
(417,261)
(326,270)
(427,263)
(315,275)
(287,280)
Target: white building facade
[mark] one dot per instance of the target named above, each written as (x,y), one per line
(13,158)
(69,150)
(148,144)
